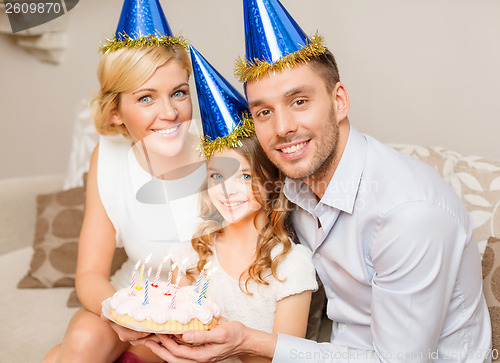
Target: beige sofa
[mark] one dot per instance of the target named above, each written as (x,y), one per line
(33,320)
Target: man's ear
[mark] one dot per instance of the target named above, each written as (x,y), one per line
(115,118)
(341,98)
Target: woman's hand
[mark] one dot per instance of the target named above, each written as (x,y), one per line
(128,335)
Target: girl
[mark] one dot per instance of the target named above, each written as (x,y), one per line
(258,275)
(144,110)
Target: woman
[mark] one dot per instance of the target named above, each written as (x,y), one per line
(145,105)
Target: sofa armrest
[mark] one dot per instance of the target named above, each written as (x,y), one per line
(18,208)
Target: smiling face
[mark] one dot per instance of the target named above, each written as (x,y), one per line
(230,188)
(159,111)
(297,119)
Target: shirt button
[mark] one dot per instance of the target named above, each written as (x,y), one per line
(317,255)
(343,327)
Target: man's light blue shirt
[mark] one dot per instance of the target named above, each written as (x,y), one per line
(394,248)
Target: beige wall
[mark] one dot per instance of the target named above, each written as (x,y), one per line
(422,71)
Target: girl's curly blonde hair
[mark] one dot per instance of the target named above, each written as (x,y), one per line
(276,230)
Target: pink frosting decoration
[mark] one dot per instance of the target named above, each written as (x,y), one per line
(158,307)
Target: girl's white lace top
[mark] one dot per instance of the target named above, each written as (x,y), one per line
(257,311)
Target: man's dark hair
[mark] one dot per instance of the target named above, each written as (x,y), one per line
(326,67)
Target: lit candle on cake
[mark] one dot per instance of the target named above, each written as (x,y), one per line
(198,283)
(205,287)
(132,282)
(208,279)
(178,280)
(146,288)
(158,272)
(172,302)
(169,281)
(141,274)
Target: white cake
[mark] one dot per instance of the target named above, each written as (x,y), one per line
(168,309)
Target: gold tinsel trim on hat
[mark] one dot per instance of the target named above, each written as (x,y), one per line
(110,45)
(244,129)
(252,70)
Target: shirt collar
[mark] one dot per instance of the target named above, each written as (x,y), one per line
(343,187)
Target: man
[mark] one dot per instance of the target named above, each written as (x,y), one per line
(392,243)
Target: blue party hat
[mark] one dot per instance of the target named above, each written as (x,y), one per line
(224,111)
(274,40)
(142,23)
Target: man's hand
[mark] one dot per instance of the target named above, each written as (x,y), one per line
(223,341)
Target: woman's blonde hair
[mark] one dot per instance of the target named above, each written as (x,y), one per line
(276,230)
(124,70)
